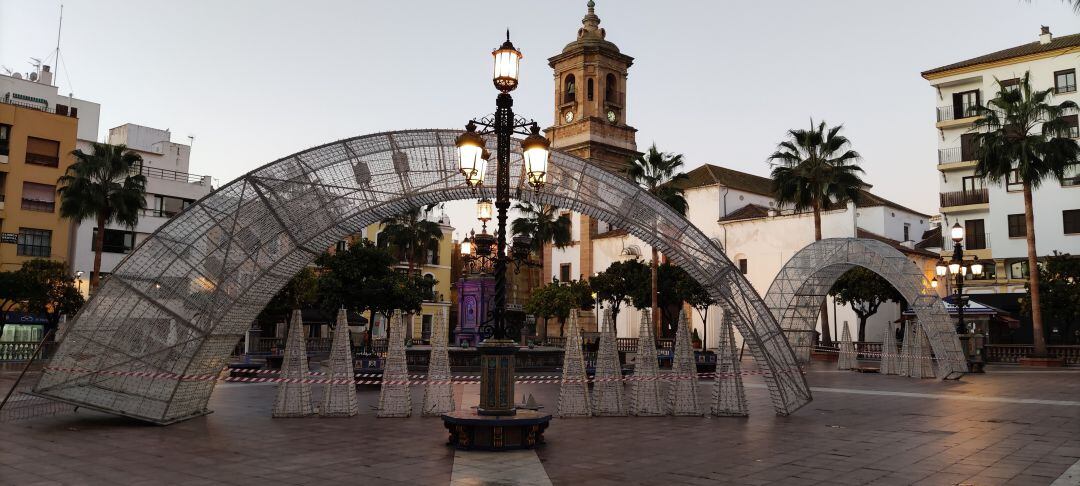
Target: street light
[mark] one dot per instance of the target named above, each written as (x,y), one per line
(957,233)
(959,269)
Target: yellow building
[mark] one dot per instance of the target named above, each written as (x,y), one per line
(35,150)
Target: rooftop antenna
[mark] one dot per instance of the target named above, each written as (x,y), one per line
(56,73)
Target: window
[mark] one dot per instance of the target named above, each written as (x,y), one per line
(1065,81)
(40,151)
(742,266)
(433,255)
(61,109)
(1010,84)
(425,328)
(968,147)
(115,241)
(1017,226)
(5,138)
(971,184)
(167,207)
(964,103)
(568,218)
(1013,182)
(974,234)
(34,242)
(569,90)
(1018,269)
(589,89)
(907,232)
(610,89)
(1070,219)
(1073,122)
(564,272)
(341,246)
(38,197)
(989,272)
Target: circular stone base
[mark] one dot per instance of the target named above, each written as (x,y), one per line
(471,431)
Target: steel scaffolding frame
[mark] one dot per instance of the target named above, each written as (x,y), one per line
(180,301)
(797,292)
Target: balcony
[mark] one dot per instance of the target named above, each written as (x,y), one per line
(167,175)
(955,115)
(38,104)
(38,205)
(964,198)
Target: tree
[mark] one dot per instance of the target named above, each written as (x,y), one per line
(864,291)
(14,292)
(106,186)
(358,278)
(698,297)
(557,299)
(1021,135)
(659,173)
(50,290)
(1059,282)
(542,225)
(412,234)
(619,282)
(300,291)
(813,169)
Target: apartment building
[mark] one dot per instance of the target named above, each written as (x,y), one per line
(993,214)
(170,188)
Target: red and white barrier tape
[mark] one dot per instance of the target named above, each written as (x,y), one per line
(879,355)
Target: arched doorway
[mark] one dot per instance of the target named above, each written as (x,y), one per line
(178,304)
(799,289)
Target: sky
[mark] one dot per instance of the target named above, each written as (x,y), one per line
(718,81)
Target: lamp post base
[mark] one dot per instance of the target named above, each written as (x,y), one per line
(472,431)
(497,377)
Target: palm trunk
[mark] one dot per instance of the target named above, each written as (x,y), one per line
(826,335)
(653,268)
(1033,274)
(99,241)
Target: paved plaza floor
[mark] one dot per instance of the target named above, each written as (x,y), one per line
(1009,426)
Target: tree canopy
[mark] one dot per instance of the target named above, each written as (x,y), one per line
(43,287)
(1059,281)
(620,282)
(864,291)
(558,299)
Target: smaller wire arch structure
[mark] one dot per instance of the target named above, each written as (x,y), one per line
(798,291)
(176,306)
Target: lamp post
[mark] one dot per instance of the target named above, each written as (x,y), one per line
(959,268)
(497,349)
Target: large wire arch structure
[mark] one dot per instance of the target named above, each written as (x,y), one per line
(797,292)
(176,306)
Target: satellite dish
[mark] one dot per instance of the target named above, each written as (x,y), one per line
(17,76)
(33,76)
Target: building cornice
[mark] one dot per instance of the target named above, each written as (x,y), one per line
(999,63)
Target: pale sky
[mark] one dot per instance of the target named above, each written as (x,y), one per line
(718,81)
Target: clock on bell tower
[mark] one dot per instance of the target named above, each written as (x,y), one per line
(590,98)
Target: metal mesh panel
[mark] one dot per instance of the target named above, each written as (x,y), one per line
(181,299)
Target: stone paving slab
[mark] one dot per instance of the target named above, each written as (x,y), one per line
(1011,427)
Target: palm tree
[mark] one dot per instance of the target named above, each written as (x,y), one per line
(812,170)
(542,225)
(1020,134)
(412,234)
(105,185)
(659,172)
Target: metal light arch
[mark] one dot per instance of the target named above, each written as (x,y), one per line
(800,287)
(177,305)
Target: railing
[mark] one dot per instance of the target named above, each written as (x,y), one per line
(159,213)
(273,345)
(626,345)
(167,175)
(1011,353)
(963,198)
(23,350)
(39,159)
(955,112)
(950,155)
(38,205)
(8,100)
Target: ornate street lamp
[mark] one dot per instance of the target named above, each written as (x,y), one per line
(484,210)
(959,269)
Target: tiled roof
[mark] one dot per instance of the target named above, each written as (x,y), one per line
(867,200)
(750,211)
(708,175)
(896,244)
(931,238)
(1018,51)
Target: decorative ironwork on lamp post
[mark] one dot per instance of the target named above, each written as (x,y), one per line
(959,269)
(497,350)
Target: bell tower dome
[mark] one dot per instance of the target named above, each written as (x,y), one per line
(590,98)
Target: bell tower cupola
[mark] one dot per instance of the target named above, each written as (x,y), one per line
(590,98)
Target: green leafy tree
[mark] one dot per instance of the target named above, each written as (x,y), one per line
(1059,282)
(813,169)
(1020,134)
(411,233)
(299,292)
(106,186)
(50,290)
(359,279)
(542,225)
(659,173)
(619,282)
(864,291)
(14,291)
(557,299)
(698,297)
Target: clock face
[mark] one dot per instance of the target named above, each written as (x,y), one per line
(611,116)
(569,116)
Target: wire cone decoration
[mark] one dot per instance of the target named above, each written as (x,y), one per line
(574,388)
(439,391)
(395,399)
(907,352)
(847,359)
(339,396)
(683,391)
(645,392)
(729,396)
(890,361)
(607,399)
(923,365)
(294,398)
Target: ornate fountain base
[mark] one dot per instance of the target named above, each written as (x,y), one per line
(472,431)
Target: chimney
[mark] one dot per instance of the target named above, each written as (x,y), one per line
(1045,36)
(45,76)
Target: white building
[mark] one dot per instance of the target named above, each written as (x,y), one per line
(35,90)
(169,189)
(993,214)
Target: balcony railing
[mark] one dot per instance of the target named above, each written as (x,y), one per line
(38,205)
(46,160)
(950,155)
(963,198)
(167,175)
(7,99)
(955,112)
(1011,353)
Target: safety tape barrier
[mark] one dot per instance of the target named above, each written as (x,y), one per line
(879,355)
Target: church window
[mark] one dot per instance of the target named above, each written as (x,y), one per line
(569,90)
(610,84)
(589,89)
